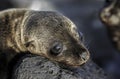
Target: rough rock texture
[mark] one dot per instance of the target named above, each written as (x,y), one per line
(36,67)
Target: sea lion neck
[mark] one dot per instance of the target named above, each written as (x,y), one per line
(13,21)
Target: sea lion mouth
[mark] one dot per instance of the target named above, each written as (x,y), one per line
(75,65)
(77,62)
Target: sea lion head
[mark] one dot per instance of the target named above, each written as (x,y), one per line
(54,36)
(110,14)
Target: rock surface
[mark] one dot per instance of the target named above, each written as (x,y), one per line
(37,67)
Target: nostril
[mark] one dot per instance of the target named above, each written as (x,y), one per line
(84,56)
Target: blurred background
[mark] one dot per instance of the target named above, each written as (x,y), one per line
(85,14)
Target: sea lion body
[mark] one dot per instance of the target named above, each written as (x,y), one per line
(110,16)
(44,33)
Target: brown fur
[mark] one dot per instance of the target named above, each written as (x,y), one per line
(110,16)
(24,30)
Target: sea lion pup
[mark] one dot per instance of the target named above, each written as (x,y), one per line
(44,33)
(110,16)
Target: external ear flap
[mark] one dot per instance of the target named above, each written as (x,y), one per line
(30,45)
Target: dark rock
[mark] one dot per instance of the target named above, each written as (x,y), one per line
(37,67)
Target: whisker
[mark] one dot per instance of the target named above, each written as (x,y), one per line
(87,43)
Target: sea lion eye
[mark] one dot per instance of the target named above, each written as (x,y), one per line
(81,36)
(56,48)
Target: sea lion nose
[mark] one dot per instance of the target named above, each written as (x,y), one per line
(84,56)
